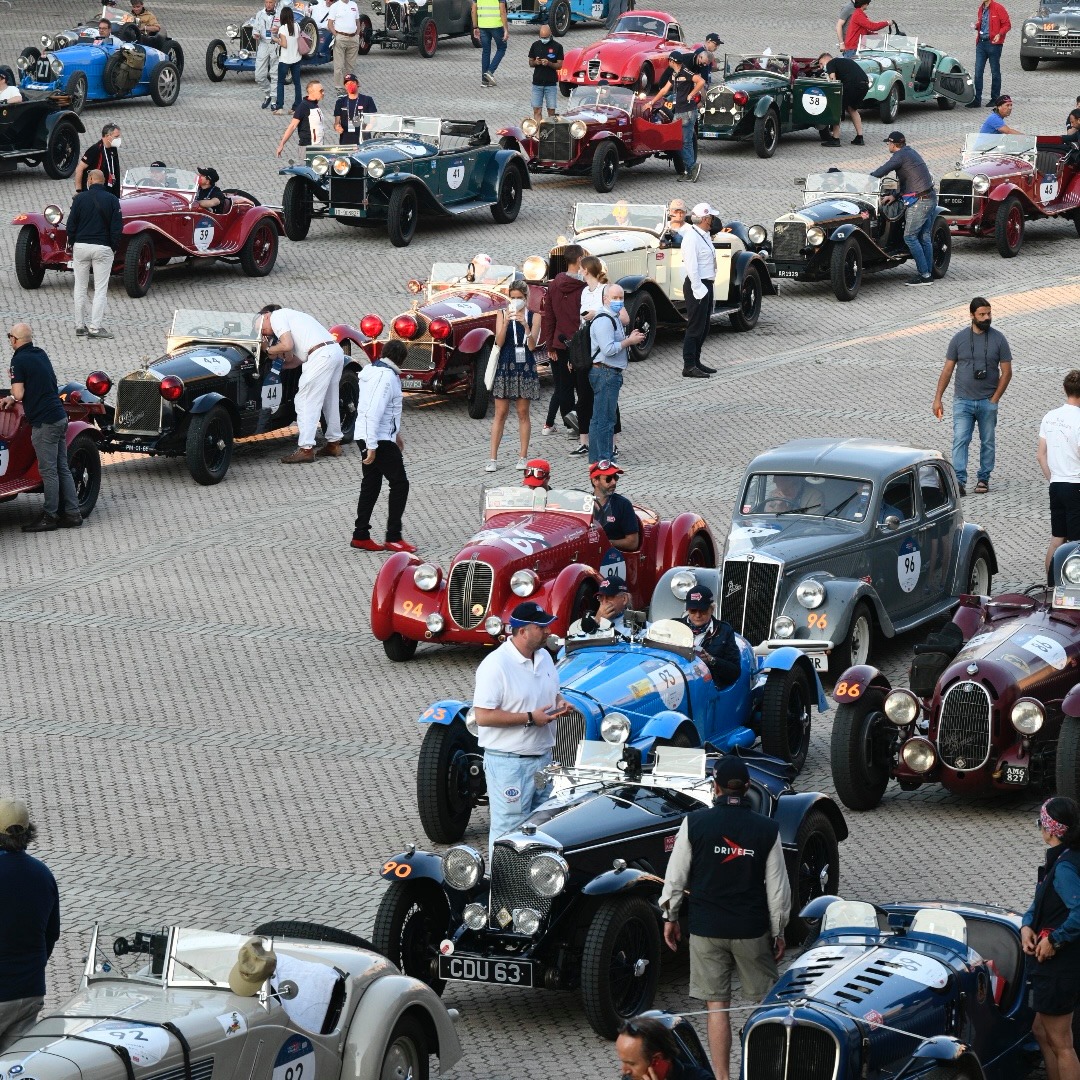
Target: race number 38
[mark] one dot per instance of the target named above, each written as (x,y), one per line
(295,1060)
(814,102)
(908,564)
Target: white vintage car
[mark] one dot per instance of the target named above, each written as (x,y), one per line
(158,1006)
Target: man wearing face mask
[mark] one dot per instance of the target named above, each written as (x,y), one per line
(545,58)
(610,345)
(983,363)
(699,262)
(103,156)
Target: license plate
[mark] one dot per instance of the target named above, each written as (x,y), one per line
(343,211)
(1015,774)
(477,969)
(787,273)
(708,134)
(820,661)
(412,384)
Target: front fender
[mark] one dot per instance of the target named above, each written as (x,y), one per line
(785,658)
(443,712)
(791,811)
(1000,192)
(747,259)
(514,132)
(853,683)
(623,881)
(842,232)
(206,402)
(764,104)
(662,725)
(1071,705)
(69,117)
(497,166)
(475,340)
(371,347)
(306,172)
(422,865)
(559,594)
(673,542)
(253,216)
(77,427)
(882,84)
(665,310)
(841,596)
(383,594)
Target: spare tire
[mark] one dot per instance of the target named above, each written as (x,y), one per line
(123,70)
(307,25)
(309,931)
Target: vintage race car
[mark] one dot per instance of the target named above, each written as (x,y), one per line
(19,472)
(763,97)
(534,544)
(214,385)
(993,704)
(159,1003)
(1003,181)
(834,541)
(570,899)
(844,231)
(418,24)
(87,71)
(560,15)
(602,129)
(903,69)
(405,167)
(633,54)
(630,240)
(222,58)
(161,222)
(926,991)
(1052,33)
(42,132)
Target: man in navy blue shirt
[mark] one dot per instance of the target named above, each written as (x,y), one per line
(30,926)
(349,112)
(614,514)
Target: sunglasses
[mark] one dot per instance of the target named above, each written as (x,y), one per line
(540,474)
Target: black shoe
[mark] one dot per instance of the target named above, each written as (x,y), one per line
(830,142)
(973,105)
(580,450)
(918,280)
(45,523)
(963,489)
(858,141)
(614,453)
(71,521)
(695,373)
(705,367)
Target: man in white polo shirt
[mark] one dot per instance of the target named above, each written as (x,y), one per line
(517,707)
(1059,459)
(343,21)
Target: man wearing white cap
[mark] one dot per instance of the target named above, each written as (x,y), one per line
(30,924)
(699,262)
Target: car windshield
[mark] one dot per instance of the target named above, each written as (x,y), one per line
(203,957)
(757,63)
(165,179)
(496,500)
(383,125)
(115,14)
(233,325)
(976,146)
(620,215)
(601,97)
(447,275)
(641,24)
(806,495)
(840,183)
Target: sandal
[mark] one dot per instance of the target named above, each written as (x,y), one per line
(982,487)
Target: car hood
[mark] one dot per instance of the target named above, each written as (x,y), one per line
(832,209)
(1070,18)
(995,167)
(461,304)
(394,150)
(1026,650)
(631,678)
(520,537)
(195,362)
(790,538)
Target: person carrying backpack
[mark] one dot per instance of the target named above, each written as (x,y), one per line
(609,345)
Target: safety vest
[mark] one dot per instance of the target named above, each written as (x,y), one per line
(488,13)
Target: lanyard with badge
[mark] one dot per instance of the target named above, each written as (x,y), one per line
(352,108)
(520,357)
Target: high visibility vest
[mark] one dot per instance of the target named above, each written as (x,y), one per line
(488,13)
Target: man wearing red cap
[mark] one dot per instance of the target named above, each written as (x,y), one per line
(614,514)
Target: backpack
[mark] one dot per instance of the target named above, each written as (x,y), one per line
(579,351)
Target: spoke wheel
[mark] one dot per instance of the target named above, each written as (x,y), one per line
(139,262)
(411,922)
(363,36)
(816,871)
(84,461)
(216,52)
(260,250)
(890,106)
(165,84)
(1009,227)
(560,17)
(76,89)
(443,792)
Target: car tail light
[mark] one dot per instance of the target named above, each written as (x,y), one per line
(406,326)
(98,383)
(439,329)
(74,396)
(371,326)
(741,97)
(172,388)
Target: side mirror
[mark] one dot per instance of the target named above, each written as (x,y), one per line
(800,182)
(890,524)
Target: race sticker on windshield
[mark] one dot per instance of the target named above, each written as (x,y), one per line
(1046,648)
(909,564)
(145,1045)
(814,101)
(5,457)
(295,1060)
(204,234)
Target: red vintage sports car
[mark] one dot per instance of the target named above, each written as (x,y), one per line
(535,544)
(604,128)
(1003,181)
(633,54)
(161,223)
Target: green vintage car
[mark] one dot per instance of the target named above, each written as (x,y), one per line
(903,69)
(405,167)
(765,96)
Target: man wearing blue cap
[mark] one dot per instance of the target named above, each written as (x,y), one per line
(517,706)
(714,640)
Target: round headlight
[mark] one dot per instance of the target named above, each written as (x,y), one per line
(62,42)
(815,236)
(901,707)
(493,625)
(524,583)
(535,268)
(462,867)
(320,164)
(46,41)
(980,184)
(810,593)
(475,916)
(471,726)
(53,214)
(23,63)
(434,622)
(578,129)
(342,166)
(243,54)
(1027,716)
(757,234)
(231,31)
(526,921)
(1070,572)
(919,755)
(426,577)
(56,67)
(1030,28)
(529,127)
(784,627)
(615,728)
(375,168)
(548,874)
(682,583)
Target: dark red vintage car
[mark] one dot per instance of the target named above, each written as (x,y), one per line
(537,545)
(993,703)
(1005,181)
(161,222)
(604,128)
(633,54)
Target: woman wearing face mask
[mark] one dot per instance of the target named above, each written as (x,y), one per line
(515,377)
(592,300)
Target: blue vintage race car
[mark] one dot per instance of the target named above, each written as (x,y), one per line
(647,690)
(113,72)
(917,990)
(240,56)
(560,15)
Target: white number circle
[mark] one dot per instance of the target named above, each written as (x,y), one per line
(908,565)
(814,102)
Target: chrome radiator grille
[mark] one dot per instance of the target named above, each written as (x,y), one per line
(1051,39)
(138,405)
(747,597)
(555,141)
(469,591)
(789,238)
(802,1052)
(955,196)
(568,734)
(964,727)
(510,885)
(419,355)
(594,69)
(723,101)
(247,39)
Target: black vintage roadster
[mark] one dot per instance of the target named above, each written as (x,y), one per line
(419,24)
(215,384)
(42,132)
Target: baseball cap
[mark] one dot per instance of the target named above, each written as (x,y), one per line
(350,78)
(158,165)
(537,472)
(210,174)
(612,586)
(676,57)
(604,468)
(530,613)
(704,209)
(255,963)
(731,771)
(699,598)
(895,137)
(14,817)
(716,39)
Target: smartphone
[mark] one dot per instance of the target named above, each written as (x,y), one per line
(660,1067)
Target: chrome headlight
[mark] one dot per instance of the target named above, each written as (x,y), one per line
(462,867)
(526,921)
(784,627)
(342,166)
(578,129)
(682,583)
(615,728)
(319,164)
(232,32)
(815,236)
(376,168)
(56,67)
(244,54)
(901,707)
(426,577)
(46,41)
(1030,28)
(529,127)
(23,63)
(980,184)
(1027,716)
(53,214)
(471,726)
(475,916)
(524,583)
(493,625)
(919,755)
(434,622)
(1070,572)
(548,874)
(810,593)
(535,268)
(757,234)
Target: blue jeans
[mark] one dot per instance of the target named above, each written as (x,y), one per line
(544,95)
(512,790)
(689,121)
(282,71)
(498,35)
(50,446)
(985,50)
(918,231)
(606,383)
(966,413)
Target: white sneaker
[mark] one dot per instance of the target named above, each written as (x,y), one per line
(545,430)
(521,464)
(491,466)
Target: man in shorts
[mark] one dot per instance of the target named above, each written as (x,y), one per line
(545,58)
(732,862)
(1059,459)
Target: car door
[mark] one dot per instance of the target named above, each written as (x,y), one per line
(937,534)
(897,561)
(953,83)
(815,102)
(457,177)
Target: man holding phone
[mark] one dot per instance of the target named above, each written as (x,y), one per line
(517,706)
(648,1050)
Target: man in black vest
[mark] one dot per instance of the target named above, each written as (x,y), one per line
(732,862)
(714,640)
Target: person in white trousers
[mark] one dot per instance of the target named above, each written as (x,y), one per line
(264,30)
(302,341)
(94,227)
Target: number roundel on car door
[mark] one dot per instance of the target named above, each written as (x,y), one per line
(202,238)
(295,1060)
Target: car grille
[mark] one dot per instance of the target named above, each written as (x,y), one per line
(777,1052)
(568,734)
(533,7)
(955,197)
(510,884)
(722,101)
(1053,40)
(555,141)
(247,39)
(789,238)
(594,69)
(200,1070)
(346,191)
(964,728)
(138,405)
(469,588)
(747,598)
(419,356)
(43,72)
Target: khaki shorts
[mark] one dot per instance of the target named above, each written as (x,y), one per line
(712,961)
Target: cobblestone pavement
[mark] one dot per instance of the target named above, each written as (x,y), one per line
(195,706)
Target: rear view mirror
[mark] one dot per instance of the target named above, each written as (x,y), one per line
(800,181)
(890,524)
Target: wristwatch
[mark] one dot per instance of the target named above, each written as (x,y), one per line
(529,721)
